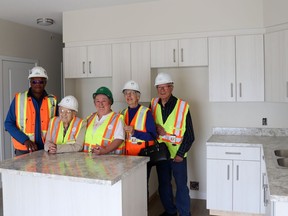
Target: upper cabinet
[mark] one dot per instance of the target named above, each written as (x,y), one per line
(179,53)
(276,66)
(236,68)
(131,61)
(88,61)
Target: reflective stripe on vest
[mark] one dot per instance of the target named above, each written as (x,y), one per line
(174,126)
(132,144)
(104,134)
(57,130)
(26,116)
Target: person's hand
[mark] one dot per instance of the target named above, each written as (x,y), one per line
(31,146)
(97,150)
(178,159)
(129,129)
(160,130)
(52,148)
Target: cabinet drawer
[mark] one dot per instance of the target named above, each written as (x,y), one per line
(238,153)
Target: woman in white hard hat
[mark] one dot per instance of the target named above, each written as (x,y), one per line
(66,133)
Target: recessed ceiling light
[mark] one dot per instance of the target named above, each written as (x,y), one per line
(45,21)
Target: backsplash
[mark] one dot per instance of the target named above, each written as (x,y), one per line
(251,131)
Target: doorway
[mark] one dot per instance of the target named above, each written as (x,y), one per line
(15,79)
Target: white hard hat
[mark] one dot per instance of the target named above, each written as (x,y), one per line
(69,102)
(131,85)
(163,78)
(37,72)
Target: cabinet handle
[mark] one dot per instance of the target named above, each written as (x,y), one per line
(240,89)
(237,172)
(286,89)
(174,55)
(90,67)
(263,180)
(233,153)
(182,58)
(265,200)
(83,67)
(228,172)
(231,87)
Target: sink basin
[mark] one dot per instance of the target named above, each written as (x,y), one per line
(281,153)
(282,162)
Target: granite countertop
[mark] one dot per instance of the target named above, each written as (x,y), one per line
(269,140)
(76,166)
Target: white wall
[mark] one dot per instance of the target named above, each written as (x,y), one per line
(25,42)
(275,12)
(161,17)
(191,84)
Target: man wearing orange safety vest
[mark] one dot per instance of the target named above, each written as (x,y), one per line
(29,114)
(174,127)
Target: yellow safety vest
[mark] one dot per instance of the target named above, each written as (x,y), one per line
(57,130)
(104,134)
(175,125)
(26,116)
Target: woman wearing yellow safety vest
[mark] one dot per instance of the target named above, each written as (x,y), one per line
(174,127)
(105,132)
(66,132)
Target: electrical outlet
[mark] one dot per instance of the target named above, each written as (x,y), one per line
(194,185)
(264,121)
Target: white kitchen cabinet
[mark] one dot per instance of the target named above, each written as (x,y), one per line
(233,179)
(88,61)
(131,61)
(179,53)
(121,60)
(276,66)
(236,68)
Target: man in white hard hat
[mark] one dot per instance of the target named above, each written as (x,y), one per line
(29,114)
(174,127)
(66,133)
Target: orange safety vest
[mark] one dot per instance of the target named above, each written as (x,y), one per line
(104,135)
(57,130)
(26,116)
(132,144)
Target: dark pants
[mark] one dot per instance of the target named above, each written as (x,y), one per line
(20,152)
(165,170)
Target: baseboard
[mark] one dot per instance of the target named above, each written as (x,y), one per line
(197,195)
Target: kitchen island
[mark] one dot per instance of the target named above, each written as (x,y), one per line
(74,184)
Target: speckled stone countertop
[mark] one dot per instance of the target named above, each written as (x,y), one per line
(76,166)
(270,140)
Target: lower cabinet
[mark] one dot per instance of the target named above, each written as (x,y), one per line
(234,179)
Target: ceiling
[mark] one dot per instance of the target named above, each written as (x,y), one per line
(26,12)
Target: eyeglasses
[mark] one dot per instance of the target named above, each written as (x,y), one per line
(127,92)
(61,111)
(163,87)
(34,82)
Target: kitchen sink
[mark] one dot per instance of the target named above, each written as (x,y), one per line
(283,162)
(281,153)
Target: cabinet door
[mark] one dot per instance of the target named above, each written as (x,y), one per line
(164,53)
(100,61)
(193,52)
(219,184)
(222,69)
(250,68)
(121,69)
(276,66)
(140,68)
(246,186)
(75,62)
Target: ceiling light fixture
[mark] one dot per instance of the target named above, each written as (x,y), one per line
(45,21)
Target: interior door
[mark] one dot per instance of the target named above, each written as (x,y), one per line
(15,74)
